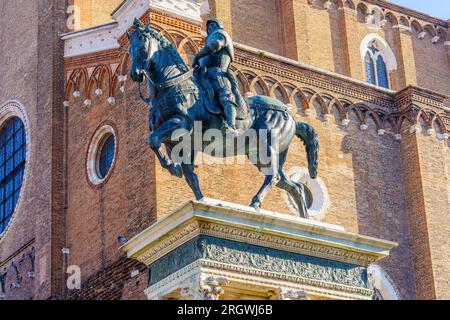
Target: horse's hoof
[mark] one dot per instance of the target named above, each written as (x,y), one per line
(256,204)
(176,170)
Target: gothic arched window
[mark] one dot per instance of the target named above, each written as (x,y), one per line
(375,66)
(370,69)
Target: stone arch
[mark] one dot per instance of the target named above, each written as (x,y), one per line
(375,17)
(372,114)
(282,93)
(380,281)
(437,121)
(389,122)
(361,12)
(335,104)
(356,109)
(383,46)
(101,73)
(430,30)
(404,21)
(243,82)
(187,50)
(425,117)
(321,102)
(259,86)
(336,4)
(441,33)
(70,88)
(416,27)
(304,101)
(404,120)
(124,65)
(349,4)
(80,79)
(391,19)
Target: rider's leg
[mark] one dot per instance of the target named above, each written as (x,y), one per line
(229,107)
(230,113)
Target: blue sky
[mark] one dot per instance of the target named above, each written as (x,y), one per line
(436,8)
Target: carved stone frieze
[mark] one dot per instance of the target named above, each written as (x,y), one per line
(258,258)
(253,237)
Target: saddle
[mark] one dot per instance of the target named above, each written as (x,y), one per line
(209,98)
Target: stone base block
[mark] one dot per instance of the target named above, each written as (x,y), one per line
(218,250)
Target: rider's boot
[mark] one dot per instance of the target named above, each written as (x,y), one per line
(230,125)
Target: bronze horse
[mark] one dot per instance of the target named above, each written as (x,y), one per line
(178,104)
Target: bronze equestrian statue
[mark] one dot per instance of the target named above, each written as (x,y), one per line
(214,61)
(183,98)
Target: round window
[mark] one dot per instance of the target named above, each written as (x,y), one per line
(101,155)
(106,156)
(12,167)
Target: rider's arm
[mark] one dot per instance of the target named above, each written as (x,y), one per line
(214,45)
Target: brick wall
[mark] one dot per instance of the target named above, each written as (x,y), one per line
(34,77)
(377,186)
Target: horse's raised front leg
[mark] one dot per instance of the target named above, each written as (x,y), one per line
(164,135)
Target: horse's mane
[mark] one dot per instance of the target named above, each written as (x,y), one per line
(165,44)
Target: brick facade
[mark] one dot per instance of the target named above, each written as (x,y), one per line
(385,170)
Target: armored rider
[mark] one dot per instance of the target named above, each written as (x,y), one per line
(216,57)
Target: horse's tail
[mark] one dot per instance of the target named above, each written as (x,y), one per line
(311,141)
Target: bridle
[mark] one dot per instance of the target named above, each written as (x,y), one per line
(144,71)
(167,84)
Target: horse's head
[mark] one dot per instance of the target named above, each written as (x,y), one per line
(142,48)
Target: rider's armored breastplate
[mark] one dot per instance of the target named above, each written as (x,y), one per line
(224,57)
(219,60)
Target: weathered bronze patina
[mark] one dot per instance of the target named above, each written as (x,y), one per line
(181,99)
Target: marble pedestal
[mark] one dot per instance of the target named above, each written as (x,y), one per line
(218,250)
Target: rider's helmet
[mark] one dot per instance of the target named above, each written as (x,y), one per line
(216,21)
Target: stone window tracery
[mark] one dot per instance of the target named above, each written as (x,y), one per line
(378,60)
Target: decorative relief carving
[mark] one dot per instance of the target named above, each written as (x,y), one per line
(237,234)
(282,262)
(257,258)
(257,238)
(211,287)
(186,282)
(167,245)
(315,286)
(185,8)
(290,294)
